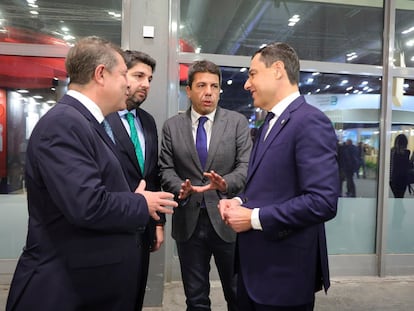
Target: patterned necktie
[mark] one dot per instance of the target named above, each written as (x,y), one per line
(201,141)
(108,130)
(135,140)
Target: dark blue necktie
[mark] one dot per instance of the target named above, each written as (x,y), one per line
(265,126)
(260,139)
(201,141)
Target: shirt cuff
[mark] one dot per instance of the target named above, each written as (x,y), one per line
(256,225)
(239,200)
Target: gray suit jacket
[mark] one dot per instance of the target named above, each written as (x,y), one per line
(228,155)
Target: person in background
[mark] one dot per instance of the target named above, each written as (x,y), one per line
(348,164)
(203,158)
(399,166)
(136,137)
(81,251)
(362,149)
(291,190)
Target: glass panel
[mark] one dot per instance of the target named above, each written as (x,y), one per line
(29,86)
(59,22)
(404,34)
(322,31)
(352,103)
(401,200)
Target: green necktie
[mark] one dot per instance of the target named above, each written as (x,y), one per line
(134,137)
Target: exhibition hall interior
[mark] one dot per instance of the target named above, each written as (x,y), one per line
(357,66)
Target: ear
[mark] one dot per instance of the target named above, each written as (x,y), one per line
(188,90)
(99,73)
(279,68)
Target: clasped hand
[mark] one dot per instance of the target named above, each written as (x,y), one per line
(156,201)
(234,215)
(216,183)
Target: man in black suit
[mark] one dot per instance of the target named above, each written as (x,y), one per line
(140,70)
(81,251)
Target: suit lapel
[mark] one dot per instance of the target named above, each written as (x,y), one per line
(69,100)
(259,151)
(122,138)
(188,139)
(147,127)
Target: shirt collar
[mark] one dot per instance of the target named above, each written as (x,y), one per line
(284,103)
(122,113)
(89,104)
(195,116)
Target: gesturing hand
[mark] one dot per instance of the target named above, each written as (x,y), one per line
(156,201)
(216,183)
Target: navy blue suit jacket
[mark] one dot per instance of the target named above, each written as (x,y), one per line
(293,179)
(81,251)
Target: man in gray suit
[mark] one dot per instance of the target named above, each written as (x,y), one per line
(204,157)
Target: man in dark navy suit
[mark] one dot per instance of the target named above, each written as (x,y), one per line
(140,72)
(291,190)
(81,251)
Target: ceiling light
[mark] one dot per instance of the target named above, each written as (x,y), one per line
(230,82)
(65,29)
(244,69)
(327,86)
(408,30)
(310,80)
(344,81)
(263,45)
(68,37)
(34,12)
(349,88)
(37,96)
(21,91)
(410,43)
(293,20)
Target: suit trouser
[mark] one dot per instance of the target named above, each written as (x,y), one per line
(245,303)
(144,243)
(195,255)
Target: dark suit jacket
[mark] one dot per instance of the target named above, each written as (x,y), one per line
(294,181)
(228,155)
(81,251)
(129,160)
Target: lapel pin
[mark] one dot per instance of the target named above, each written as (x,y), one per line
(283,121)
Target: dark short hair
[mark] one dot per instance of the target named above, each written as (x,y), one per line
(202,66)
(279,51)
(135,57)
(87,54)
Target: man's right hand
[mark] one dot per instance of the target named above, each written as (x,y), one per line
(157,201)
